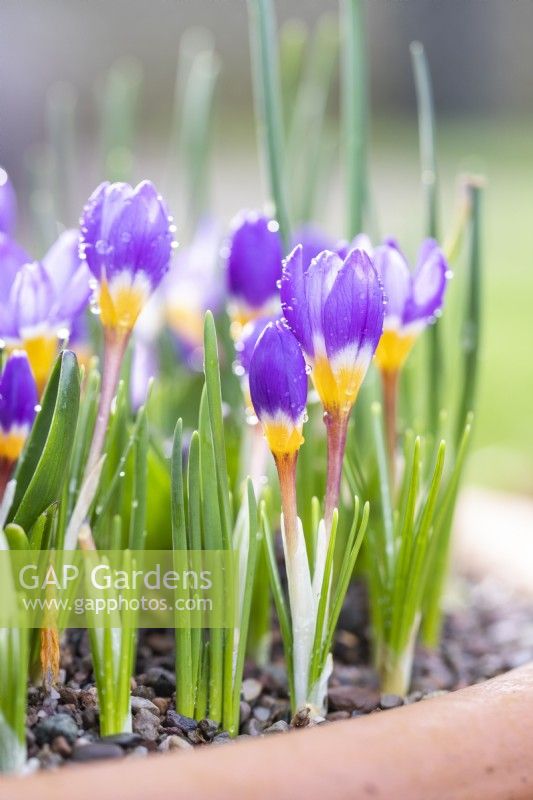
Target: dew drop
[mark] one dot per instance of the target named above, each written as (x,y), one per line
(102,247)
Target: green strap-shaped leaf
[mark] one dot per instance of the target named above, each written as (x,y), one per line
(43,466)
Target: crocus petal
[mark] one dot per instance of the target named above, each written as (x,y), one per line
(69,276)
(12,258)
(8,204)
(194,284)
(32,297)
(294,301)
(320,278)
(428,285)
(278,387)
(246,344)
(361,242)
(313,240)
(396,279)
(18,401)
(254,257)
(353,311)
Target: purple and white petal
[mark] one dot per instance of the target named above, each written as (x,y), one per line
(294,300)
(278,377)
(428,285)
(70,277)
(396,280)
(32,298)
(353,310)
(12,258)
(254,255)
(18,394)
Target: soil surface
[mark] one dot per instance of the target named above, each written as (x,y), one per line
(487,633)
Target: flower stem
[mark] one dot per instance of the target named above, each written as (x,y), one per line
(301,598)
(336,426)
(286,466)
(115,343)
(390,381)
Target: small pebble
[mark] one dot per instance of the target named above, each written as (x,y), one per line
(162,704)
(146,724)
(175,720)
(174,742)
(138,703)
(57,725)
(222,738)
(253,727)
(123,739)
(61,746)
(251,690)
(261,713)
(278,727)
(96,750)
(245,711)
(390,701)
(207,728)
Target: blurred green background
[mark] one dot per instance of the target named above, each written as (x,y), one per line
(57,54)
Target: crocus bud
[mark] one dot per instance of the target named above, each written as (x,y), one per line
(127,240)
(254,257)
(278,388)
(335,310)
(414,300)
(8,204)
(18,401)
(245,347)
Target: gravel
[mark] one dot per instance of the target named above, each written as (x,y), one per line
(487,633)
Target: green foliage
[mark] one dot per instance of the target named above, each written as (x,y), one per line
(209,663)
(43,467)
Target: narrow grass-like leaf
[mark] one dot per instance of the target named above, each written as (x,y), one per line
(267,91)
(438,559)
(243,618)
(184,670)
(43,466)
(354,114)
(470,340)
(428,171)
(280,601)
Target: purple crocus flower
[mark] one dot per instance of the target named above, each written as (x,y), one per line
(45,299)
(414,299)
(18,401)
(335,309)
(193,285)
(253,257)
(127,240)
(8,204)
(278,388)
